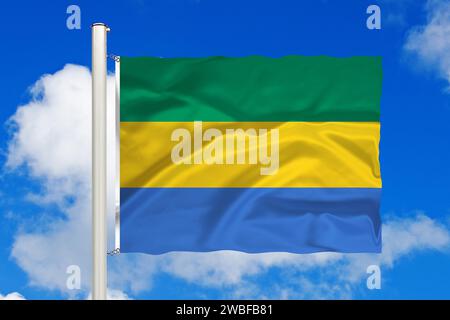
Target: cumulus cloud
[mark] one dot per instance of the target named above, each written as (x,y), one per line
(430,43)
(51,140)
(12,296)
(47,140)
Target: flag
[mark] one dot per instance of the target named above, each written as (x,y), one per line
(253,154)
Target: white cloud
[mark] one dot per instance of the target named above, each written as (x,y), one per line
(430,43)
(52,139)
(12,296)
(55,158)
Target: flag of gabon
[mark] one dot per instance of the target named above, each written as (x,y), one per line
(253,154)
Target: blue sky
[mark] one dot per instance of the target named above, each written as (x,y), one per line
(43,195)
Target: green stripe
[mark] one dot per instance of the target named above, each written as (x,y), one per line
(254,88)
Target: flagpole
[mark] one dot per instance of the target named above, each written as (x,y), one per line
(99,236)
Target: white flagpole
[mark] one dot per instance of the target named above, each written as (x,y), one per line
(99,236)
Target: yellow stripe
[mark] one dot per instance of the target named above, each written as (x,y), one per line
(311,154)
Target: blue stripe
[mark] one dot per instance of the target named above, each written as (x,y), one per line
(298,220)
